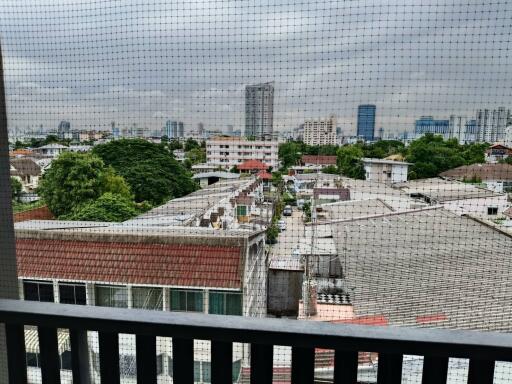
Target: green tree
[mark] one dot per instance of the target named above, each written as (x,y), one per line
(383,148)
(277,179)
(332,169)
(290,153)
(175,144)
(196,156)
(74,179)
(191,144)
(150,169)
(349,161)
(16,188)
(108,207)
(432,155)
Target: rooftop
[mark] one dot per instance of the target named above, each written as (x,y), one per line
(24,166)
(483,172)
(319,159)
(383,161)
(441,190)
(428,264)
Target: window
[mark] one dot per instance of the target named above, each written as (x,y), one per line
(112,296)
(241,210)
(186,300)
(65,360)
(72,293)
(147,298)
(492,210)
(225,303)
(38,290)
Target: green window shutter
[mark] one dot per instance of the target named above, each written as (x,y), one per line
(233,304)
(216,303)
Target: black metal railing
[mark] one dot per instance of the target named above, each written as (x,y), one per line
(436,346)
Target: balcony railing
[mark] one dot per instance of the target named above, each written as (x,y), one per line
(392,343)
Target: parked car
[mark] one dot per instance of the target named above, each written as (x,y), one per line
(287,211)
(300,203)
(281,224)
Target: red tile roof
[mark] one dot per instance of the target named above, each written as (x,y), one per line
(264,175)
(428,319)
(319,160)
(130,263)
(252,165)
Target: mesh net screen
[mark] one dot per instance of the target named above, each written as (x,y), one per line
(344,162)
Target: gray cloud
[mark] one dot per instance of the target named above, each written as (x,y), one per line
(143,61)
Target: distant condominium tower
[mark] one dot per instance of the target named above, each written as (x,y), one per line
(259,111)
(366,121)
(491,124)
(171,129)
(320,132)
(181,129)
(64,130)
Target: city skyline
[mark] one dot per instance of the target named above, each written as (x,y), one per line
(334,70)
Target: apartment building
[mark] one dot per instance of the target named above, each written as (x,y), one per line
(320,132)
(226,152)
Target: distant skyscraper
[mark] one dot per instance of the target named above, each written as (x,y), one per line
(230,130)
(64,130)
(320,132)
(171,129)
(366,121)
(181,129)
(427,124)
(491,124)
(259,111)
(115,131)
(200,129)
(381,133)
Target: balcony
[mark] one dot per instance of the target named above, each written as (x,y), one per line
(435,346)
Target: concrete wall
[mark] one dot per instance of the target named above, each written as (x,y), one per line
(284,292)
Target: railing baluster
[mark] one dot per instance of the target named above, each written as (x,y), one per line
(222,362)
(109,357)
(303,365)
(49,355)
(435,370)
(183,360)
(345,367)
(79,356)
(16,357)
(146,359)
(261,363)
(481,371)
(390,369)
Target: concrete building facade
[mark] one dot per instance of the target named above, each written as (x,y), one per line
(320,132)
(226,152)
(259,111)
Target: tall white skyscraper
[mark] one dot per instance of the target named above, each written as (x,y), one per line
(491,124)
(320,132)
(259,111)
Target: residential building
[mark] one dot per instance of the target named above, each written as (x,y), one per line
(366,122)
(26,171)
(491,124)
(181,129)
(458,197)
(226,152)
(427,124)
(64,130)
(207,178)
(495,177)
(322,160)
(320,132)
(259,111)
(171,129)
(496,153)
(386,171)
(51,150)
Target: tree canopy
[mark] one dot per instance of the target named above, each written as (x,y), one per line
(16,188)
(349,161)
(150,169)
(74,179)
(108,207)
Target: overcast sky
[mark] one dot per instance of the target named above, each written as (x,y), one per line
(141,62)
